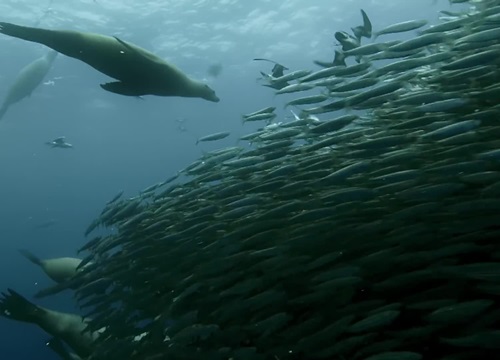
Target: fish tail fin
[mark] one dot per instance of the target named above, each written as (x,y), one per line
(34,259)
(296,117)
(16,307)
(339,59)
(367,24)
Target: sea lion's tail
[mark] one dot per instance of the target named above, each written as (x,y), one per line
(16,307)
(35,260)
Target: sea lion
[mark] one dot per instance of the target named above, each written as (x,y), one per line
(139,71)
(70,328)
(28,80)
(58,269)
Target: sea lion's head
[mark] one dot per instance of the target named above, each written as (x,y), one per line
(208,93)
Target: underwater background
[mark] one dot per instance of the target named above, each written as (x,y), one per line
(49,196)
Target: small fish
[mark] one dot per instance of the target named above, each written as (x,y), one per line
(213,137)
(446,26)
(401,27)
(333,124)
(295,88)
(290,76)
(382,89)
(355,85)
(375,322)
(442,105)
(245,161)
(481,58)
(452,130)
(259,117)
(481,36)
(115,198)
(418,42)
(313,99)
(281,134)
(268,109)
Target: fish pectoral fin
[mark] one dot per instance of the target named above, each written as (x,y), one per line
(121,88)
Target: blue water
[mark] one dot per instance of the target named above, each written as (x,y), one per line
(123,143)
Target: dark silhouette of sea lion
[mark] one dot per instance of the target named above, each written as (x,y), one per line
(138,71)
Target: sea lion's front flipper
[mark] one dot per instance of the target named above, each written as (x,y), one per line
(52,290)
(57,346)
(126,44)
(122,88)
(137,52)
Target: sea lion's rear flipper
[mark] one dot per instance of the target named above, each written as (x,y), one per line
(57,346)
(34,259)
(16,307)
(26,33)
(11,29)
(122,88)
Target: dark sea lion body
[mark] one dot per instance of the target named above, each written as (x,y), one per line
(139,71)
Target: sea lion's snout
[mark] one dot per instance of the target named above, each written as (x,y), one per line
(209,94)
